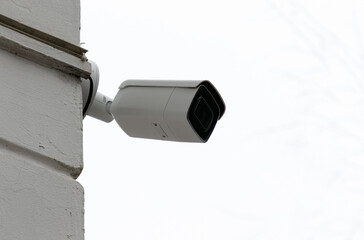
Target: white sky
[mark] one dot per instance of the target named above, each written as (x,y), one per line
(287,159)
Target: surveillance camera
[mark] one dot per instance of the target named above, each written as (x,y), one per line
(184,111)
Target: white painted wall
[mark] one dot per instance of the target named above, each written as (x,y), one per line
(58,18)
(40,128)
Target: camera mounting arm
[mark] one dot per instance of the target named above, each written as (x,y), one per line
(95,104)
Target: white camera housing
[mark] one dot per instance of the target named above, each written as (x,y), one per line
(184,111)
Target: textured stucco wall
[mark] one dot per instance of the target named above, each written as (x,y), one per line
(40,132)
(58,18)
(44,107)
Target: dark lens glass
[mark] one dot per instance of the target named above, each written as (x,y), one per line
(203,113)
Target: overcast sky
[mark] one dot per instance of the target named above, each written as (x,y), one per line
(287,159)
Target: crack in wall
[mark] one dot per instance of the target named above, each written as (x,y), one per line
(21,6)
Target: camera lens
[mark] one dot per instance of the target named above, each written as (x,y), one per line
(203,113)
